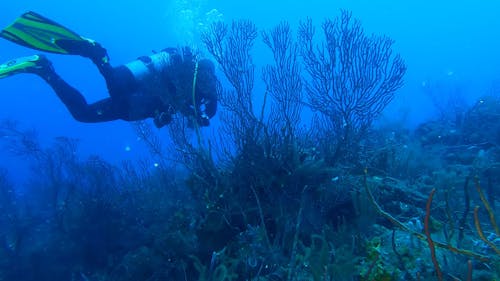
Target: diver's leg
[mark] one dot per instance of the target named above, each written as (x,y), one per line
(104,110)
(119,80)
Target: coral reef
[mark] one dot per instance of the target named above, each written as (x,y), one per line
(271,195)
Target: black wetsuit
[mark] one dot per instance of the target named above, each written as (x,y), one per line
(126,101)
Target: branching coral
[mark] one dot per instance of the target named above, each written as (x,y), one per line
(353,77)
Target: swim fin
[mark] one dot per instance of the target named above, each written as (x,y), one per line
(35,31)
(31,64)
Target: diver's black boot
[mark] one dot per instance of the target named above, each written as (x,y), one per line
(95,52)
(87,48)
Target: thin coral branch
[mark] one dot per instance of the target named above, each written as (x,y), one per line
(481,233)
(491,214)
(463,219)
(430,242)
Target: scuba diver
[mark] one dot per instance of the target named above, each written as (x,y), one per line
(156,86)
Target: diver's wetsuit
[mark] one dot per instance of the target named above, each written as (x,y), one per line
(126,100)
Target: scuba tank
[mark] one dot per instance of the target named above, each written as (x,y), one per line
(145,66)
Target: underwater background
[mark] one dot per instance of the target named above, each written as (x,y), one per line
(390,194)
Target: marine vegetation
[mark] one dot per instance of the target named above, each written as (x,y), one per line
(296,183)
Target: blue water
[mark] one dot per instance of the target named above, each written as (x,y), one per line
(449,40)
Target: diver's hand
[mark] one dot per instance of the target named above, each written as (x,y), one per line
(161,119)
(201,121)
(204,121)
